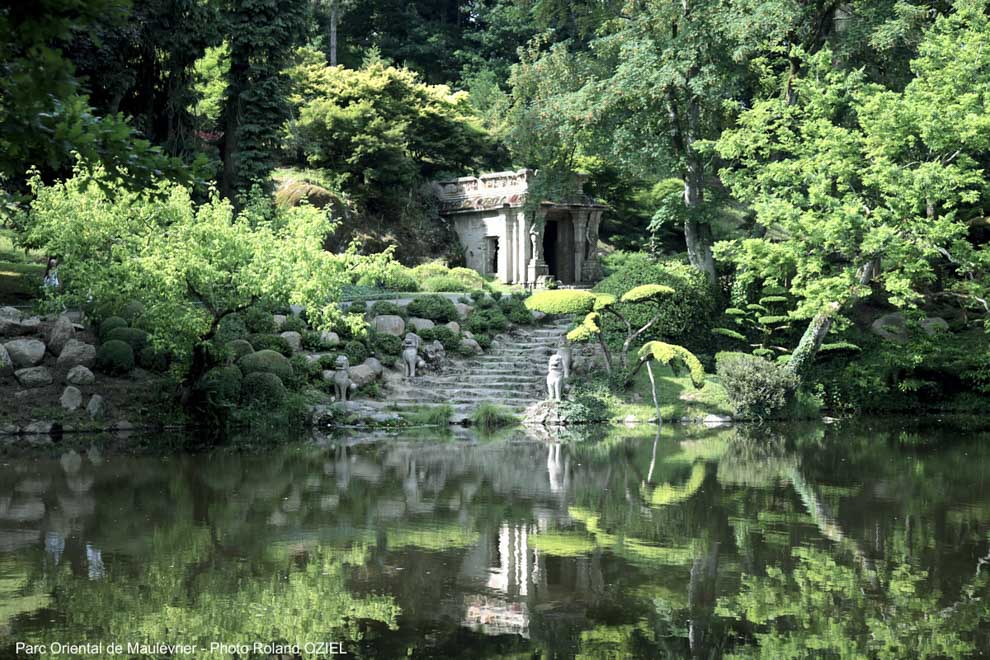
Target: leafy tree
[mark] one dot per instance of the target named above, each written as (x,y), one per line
(859,186)
(677,358)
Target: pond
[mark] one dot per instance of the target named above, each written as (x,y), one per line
(798,541)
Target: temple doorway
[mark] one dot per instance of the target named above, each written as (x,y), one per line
(558,247)
(491,245)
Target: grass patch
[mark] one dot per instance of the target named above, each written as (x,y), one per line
(20,272)
(429,415)
(678,397)
(489,417)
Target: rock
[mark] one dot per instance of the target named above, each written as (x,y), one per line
(293,339)
(463,310)
(538,315)
(39,428)
(468,334)
(374,365)
(716,420)
(390,324)
(74,354)
(60,333)
(30,325)
(279,320)
(96,408)
(473,345)
(71,398)
(421,324)
(25,352)
(329,338)
(934,325)
(296,310)
(123,426)
(454,327)
(630,420)
(75,316)
(9,429)
(6,364)
(10,314)
(12,328)
(891,327)
(361,375)
(34,377)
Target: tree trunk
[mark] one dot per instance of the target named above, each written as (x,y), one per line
(232,122)
(814,335)
(334,19)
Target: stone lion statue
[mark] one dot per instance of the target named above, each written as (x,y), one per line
(342,383)
(555,378)
(410,355)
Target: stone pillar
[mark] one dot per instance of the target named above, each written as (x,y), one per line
(505,251)
(580,219)
(592,269)
(520,244)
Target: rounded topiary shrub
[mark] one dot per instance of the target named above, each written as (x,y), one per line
(293,324)
(110,324)
(486,321)
(152,359)
(385,307)
(137,339)
(515,311)
(399,278)
(435,308)
(115,357)
(258,321)
(238,348)
(387,345)
(443,334)
(687,315)
(270,343)
(231,327)
(263,389)
(222,386)
(356,352)
(266,361)
(439,283)
(132,310)
(756,387)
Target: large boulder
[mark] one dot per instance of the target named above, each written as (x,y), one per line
(34,377)
(892,327)
(71,398)
(293,339)
(421,324)
(6,364)
(463,310)
(76,353)
(934,325)
(375,366)
(96,408)
(25,352)
(472,345)
(454,327)
(62,331)
(10,314)
(329,339)
(390,324)
(362,374)
(80,375)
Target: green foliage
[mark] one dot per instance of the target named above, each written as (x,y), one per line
(398,278)
(386,345)
(441,283)
(258,320)
(486,321)
(443,334)
(132,311)
(356,351)
(764,326)
(270,343)
(115,357)
(222,386)
(110,324)
(266,361)
(562,301)
(293,324)
(678,358)
(758,389)
(430,415)
(385,307)
(263,389)
(515,310)
(646,292)
(435,308)
(231,327)
(152,359)
(137,339)
(488,417)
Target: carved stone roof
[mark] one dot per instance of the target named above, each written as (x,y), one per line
(489,191)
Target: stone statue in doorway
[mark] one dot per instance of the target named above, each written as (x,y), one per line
(534,239)
(555,378)
(342,383)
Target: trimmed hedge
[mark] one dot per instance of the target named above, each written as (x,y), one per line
(438,309)
(388,308)
(263,389)
(137,339)
(561,301)
(757,388)
(152,359)
(115,357)
(266,361)
(258,321)
(387,345)
(222,386)
(110,324)
(356,352)
(238,348)
(443,334)
(270,343)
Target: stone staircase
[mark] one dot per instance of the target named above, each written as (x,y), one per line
(512,374)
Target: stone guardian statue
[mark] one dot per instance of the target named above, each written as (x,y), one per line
(555,378)
(342,383)
(410,355)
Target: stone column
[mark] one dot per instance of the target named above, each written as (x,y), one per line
(520,244)
(580,219)
(505,252)
(592,268)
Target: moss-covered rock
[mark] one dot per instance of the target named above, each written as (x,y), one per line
(266,361)
(115,357)
(263,389)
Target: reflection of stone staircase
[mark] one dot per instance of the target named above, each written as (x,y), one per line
(512,374)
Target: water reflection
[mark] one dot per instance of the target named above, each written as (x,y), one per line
(617,543)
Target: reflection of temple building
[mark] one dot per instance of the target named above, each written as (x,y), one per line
(500,239)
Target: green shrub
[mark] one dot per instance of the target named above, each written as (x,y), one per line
(137,339)
(443,334)
(439,283)
(485,341)
(110,324)
(263,389)
(486,321)
(293,324)
(387,308)
(430,415)
(327,363)
(386,345)
(435,308)
(515,311)
(238,348)
(399,278)
(490,417)
(267,361)
(222,386)
(132,310)
(115,357)
(757,388)
(258,321)
(687,315)
(152,359)
(356,351)
(303,371)
(270,343)
(231,327)
(571,301)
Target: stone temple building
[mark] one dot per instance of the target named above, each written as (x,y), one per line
(499,239)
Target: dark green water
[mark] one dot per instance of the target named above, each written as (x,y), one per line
(803,542)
